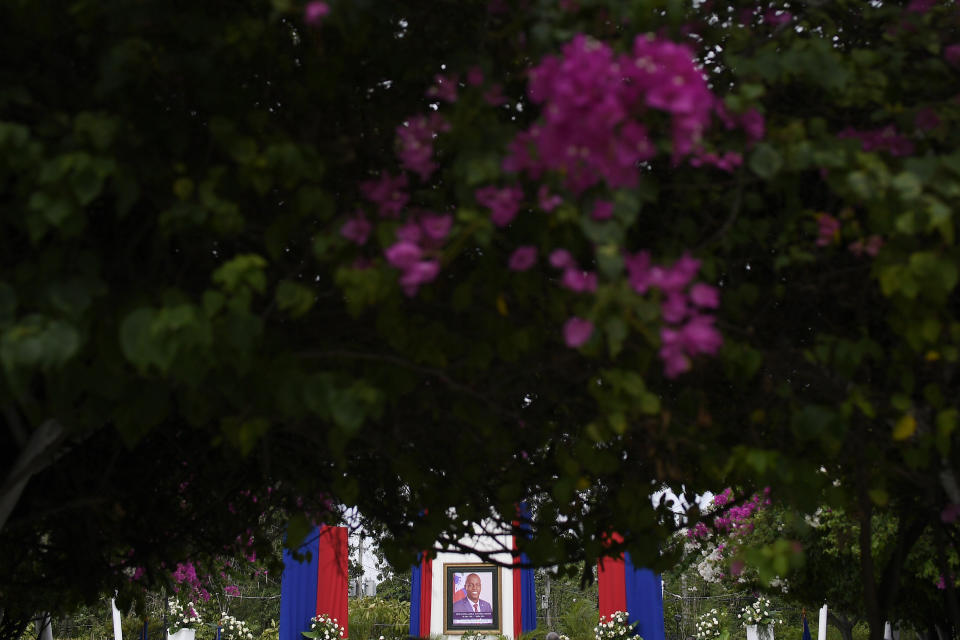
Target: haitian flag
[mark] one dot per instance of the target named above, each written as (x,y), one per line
(317,585)
(623,587)
(421,593)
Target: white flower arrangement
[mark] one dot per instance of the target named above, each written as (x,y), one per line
(474,635)
(183,616)
(616,627)
(759,613)
(234,629)
(712,625)
(323,627)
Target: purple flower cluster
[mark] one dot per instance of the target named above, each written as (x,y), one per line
(574,278)
(592,99)
(415,143)
(444,88)
(689,331)
(387,193)
(503,203)
(417,243)
(828,229)
(884,139)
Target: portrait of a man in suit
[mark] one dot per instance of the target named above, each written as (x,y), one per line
(472,603)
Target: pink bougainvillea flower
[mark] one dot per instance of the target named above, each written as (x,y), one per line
(503,203)
(602,210)
(828,229)
(777,18)
(436,227)
(561,259)
(417,274)
(576,331)
(703,295)
(884,139)
(314,12)
(409,232)
(951,54)
(356,229)
(387,192)
(403,254)
(232,590)
(444,88)
(580,281)
(638,271)
(674,307)
(523,258)
(475,76)
(700,336)
(546,200)
(415,143)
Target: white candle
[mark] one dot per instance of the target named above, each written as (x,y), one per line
(822,629)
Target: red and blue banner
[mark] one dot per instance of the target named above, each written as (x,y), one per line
(317,585)
(421,592)
(624,587)
(524,590)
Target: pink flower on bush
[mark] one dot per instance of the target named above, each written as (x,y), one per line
(417,274)
(444,88)
(828,229)
(387,192)
(503,203)
(232,590)
(602,210)
(436,227)
(547,201)
(415,143)
(403,254)
(951,54)
(580,281)
(315,12)
(703,295)
(561,259)
(576,331)
(356,229)
(523,258)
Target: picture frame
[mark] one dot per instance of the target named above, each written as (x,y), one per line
(457,616)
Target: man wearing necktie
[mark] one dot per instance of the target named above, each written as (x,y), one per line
(472,603)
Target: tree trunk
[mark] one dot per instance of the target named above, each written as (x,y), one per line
(843,624)
(870,601)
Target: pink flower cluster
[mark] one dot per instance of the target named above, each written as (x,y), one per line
(415,249)
(387,192)
(592,99)
(689,331)
(884,139)
(735,519)
(444,88)
(828,229)
(870,246)
(503,203)
(415,143)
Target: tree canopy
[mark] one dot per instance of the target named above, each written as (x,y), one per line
(432,259)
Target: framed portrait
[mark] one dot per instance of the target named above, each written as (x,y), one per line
(471,598)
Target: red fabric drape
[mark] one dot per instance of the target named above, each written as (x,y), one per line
(332,574)
(611,583)
(426,596)
(517,596)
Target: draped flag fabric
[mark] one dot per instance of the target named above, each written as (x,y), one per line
(524,592)
(806,628)
(421,593)
(317,585)
(624,587)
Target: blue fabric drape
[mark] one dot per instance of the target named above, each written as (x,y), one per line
(528,593)
(414,601)
(644,601)
(298,590)
(528,598)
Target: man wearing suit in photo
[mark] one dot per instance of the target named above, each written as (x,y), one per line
(472,603)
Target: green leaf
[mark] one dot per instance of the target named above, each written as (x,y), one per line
(765,161)
(38,342)
(243,271)
(294,297)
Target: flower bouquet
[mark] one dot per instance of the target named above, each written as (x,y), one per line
(616,627)
(712,625)
(761,618)
(234,629)
(323,627)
